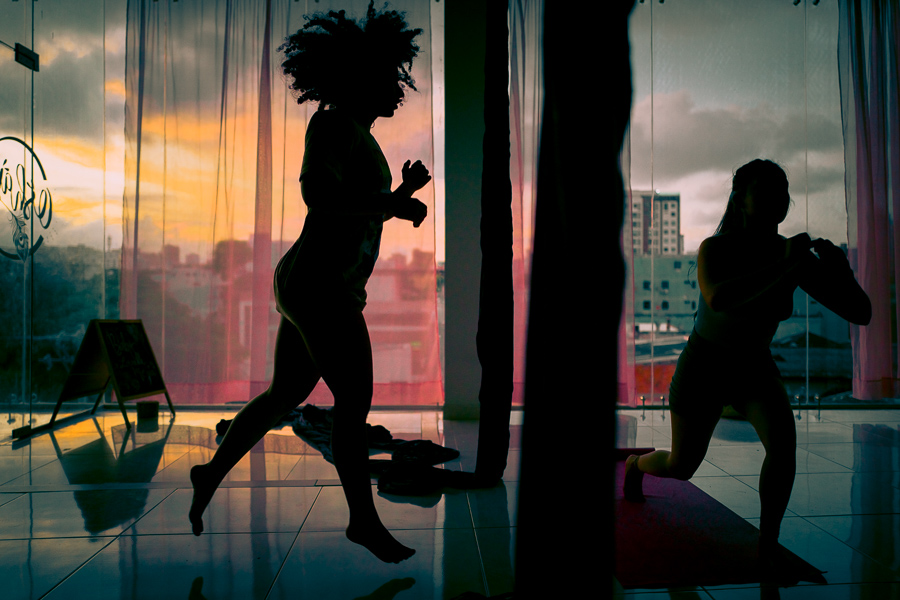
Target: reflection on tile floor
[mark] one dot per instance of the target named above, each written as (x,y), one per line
(91,504)
(844,513)
(93,511)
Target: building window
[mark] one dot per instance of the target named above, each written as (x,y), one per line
(646,285)
(664,284)
(646,305)
(665,305)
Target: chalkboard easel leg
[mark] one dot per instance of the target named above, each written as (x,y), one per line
(124,414)
(124,441)
(55,411)
(100,397)
(169,400)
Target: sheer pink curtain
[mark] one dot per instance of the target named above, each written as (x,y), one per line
(867,52)
(214,145)
(525,106)
(626,377)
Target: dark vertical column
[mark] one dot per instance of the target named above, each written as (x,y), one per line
(494,340)
(464,107)
(577,278)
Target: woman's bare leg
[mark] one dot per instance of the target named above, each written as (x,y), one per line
(294,378)
(340,345)
(690,441)
(775,425)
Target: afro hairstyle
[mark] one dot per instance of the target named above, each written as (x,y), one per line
(332,52)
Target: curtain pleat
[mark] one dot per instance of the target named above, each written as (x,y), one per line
(626,366)
(868,64)
(214,144)
(525,108)
(262,224)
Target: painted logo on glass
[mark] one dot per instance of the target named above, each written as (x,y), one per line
(27,199)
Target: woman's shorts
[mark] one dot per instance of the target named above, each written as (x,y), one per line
(303,290)
(709,377)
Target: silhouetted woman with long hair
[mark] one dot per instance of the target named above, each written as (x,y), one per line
(357,72)
(747,274)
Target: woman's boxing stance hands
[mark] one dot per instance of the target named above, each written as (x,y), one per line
(404,206)
(415,177)
(830,254)
(796,248)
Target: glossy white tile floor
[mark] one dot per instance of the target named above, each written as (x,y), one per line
(86,513)
(844,514)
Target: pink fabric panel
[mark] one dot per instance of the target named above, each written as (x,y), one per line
(868,63)
(525,108)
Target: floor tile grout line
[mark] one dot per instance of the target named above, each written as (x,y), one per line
(61,537)
(293,543)
(839,540)
(15,496)
(125,534)
(283,563)
(28,472)
(164,485)
(309,512)
(832,462)
(79,567)
(484,578)
(147,512)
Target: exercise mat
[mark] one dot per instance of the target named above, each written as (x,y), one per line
(682,537)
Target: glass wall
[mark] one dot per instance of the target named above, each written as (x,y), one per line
(63,181)
(59,243)
(717,85)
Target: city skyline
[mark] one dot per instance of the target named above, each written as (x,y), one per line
(706,121)
(722,87)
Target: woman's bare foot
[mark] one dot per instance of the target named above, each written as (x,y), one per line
(379,541)
(774,565)
(634,480)
(204,488)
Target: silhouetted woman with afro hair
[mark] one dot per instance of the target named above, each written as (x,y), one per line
(747,274)
(357,72)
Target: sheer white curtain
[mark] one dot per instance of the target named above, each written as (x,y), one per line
(214,145)
(718,85)
(625,395)
(868,48)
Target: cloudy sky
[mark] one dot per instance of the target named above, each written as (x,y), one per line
(731,82)
(79,120)
(82,59)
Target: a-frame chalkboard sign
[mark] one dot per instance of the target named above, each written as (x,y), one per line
(118,353)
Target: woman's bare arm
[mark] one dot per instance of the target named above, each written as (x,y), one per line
(323,192)
(830,281)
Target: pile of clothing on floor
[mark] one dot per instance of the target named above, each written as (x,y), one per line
(409,472)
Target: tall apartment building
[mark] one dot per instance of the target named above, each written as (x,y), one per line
(656,224)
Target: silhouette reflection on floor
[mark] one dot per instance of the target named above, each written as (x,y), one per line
(93,502)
